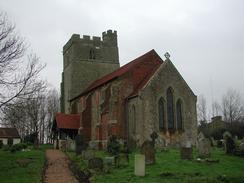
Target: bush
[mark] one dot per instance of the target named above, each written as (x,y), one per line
(1,144)
(18,147)
(30,139)
(219,143)
(113,145)
(230,145)
(218,133)
(6,147)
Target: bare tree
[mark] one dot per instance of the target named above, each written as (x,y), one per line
(232,106)
(52,103)
(202,109)
(18,76)
(216,109)
(33,115)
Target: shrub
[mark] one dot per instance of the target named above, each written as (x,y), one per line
(18,147)
(229,145)
(5,147)
(113,145)
(226,134)
(1,144)
(218,133)
(219,143)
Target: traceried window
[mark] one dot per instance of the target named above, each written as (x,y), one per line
(179,114)
(161,115)
(170,108)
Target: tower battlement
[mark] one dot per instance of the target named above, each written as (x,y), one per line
(86,58)
(109,38)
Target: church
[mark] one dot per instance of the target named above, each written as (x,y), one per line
(146,95)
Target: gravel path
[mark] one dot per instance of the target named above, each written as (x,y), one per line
(58,168)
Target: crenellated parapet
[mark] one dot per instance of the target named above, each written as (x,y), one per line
(85,58)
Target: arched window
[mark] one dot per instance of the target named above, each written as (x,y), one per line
(170,108)
(179,114)
(161,115)
(133,120)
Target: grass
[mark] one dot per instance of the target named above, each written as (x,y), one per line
(169,168)
(22,166)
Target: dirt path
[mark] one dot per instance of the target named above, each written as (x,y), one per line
(58,168)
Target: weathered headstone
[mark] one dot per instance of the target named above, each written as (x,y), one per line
(63,145)
(88,154)
(70,144)
(241,146)
(109,160)
(229,145)
(186,150)
(160,143)
(139,165)
(108,163)
(80,144)
(213,142)
(199,137)
(124,155)
(204,147)
(186,153)
(93,145)
(148,150)
(95,163)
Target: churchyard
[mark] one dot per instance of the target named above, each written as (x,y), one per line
(99,166)
(201,164)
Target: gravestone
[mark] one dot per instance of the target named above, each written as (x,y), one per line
(63,145)
(124,155)
(186,153)
(214,142)
(108,163)
(95,163)
(199,137)
(204,147)
(160,143)
(93,145)
(229,145)
(109,160)
(80,144)
(140,165)
(186,150)
(241,146)
(70,144)
(148,150)
(88,154)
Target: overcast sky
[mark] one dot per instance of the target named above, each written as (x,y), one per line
(205,38)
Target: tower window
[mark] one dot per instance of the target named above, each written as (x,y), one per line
(92,54)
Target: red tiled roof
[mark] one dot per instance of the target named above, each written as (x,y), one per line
(67,121)
(142,68)
(9,132)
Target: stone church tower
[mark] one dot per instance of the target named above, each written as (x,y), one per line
(85,60)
